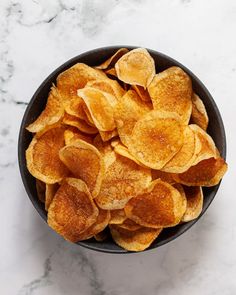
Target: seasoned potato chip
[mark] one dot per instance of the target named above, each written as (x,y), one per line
(85,162)
(75,107)
(111,72)
(199,114)
(156,138)
(136,67)
(72,134)
(137,240)
(113,59)
(130,225)
(107,135)
(100,237)
(185,157)
(171,91)
(123,180)
(161,205)
(80,124)
(127,112)
(142,93)
(206,173)
(164,176)
(72,210)
(50,192)
(42,156)
(194,196)
(100,105)
(41,188)
(52,113)
(117,216)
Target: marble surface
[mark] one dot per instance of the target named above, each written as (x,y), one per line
(36,36)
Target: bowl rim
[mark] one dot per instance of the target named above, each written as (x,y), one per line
(73,61)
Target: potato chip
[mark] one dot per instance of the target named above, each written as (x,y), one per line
(85,162)
(156,138)
(111,72)
(113,59)
(100,237)
(137,240)
(207,146)
(50,192)
(130,225)
(142,93)
(107,135)
(171,91)
(161,205)
(75,107)
(80,124)
(127,112)
(185,157)
(199,114)
(42,156)
(100,105)
(206,173)
(164,176)
(136,67)
(40,188)
(72,134)
(102,146)
(117,216)
(72,210)
(123,180)
(194,196)
(52,113)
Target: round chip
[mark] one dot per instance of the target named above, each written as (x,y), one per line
(194,196)
(136,67)
(72,134)
(52,113)
(130,225)
(50,192)
(113,59)
(164,176)
(40,188)
(199,114)
(80,124)
(117,216)
(171,91)
(72,210)
(42,156)
(161,205)
(137,240)
(85,162)
(156,138)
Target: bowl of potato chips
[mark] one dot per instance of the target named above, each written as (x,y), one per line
(121,149)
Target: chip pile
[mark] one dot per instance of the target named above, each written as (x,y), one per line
(120,146)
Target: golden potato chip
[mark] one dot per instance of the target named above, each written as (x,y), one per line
(194,196)
(85,162)
(80,124)
(107,135)
(123,180)
(50,192)
(127,112)
(207,146)
(137,240)
(199,114)
(42,156)
(156,138)
(100,237)
(100,105)
(111,72)
(75,107)
(185,157)
(171,91)
(136,67)
(52,113)
(164,176)
(72,210)
(130,225)
(113,59)
(72,134)
(161,205)
(102,146)
(206,173)
(40,188)
(117,216)
(142,93)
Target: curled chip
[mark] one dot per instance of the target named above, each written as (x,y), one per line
(156,138)
(206,173)
(171,91)
(111,72)
(42,156)
(137,240)
(72,134)
(123,180)
(40,188)
(50,192)
(109,86)
(97,227)
(80,124)
(85,162)
(117,216)
(194,196)
(100,105)
(72,210)
(107,135)
(136,67)
(52,113)
(164,176)
(207,146)
(199,114)
(75,107)
(110,62)
(142,93)
(185,157)
(127,112)
(130,225)
(161,205)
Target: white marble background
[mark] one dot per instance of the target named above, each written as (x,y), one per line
(36,36)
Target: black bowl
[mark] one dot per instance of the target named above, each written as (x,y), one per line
(92,58)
